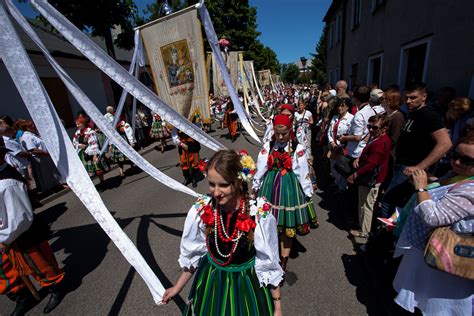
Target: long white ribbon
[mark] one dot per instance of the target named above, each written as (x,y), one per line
(213,42)
(61,149)
(117,73)
(96,115)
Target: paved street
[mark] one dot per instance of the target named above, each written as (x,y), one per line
(325,280)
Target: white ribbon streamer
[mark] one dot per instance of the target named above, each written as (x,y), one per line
(117,73)
(213,42)
(96,115)
(61,150)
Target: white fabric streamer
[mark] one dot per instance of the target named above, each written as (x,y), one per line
(212,39)
(61,150)
(259,93)
(117,73)
(96,115)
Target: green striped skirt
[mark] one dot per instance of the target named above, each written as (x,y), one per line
(295,213)
(94,168)
(230,290)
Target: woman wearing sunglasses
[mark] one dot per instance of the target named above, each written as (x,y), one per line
(450,204)
(371,170)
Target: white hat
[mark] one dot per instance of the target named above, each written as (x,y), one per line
(333,92)
(376,94)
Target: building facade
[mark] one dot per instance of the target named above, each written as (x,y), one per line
(388,42)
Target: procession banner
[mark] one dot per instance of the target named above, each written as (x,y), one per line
(60,148)
(175,51)
(232,68)
(264,77)
(117,73)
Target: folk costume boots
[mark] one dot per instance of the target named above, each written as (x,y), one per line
(187,177)
(195,176)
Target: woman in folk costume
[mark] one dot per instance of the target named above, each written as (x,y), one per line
(303,122)
(231,243)
(159,131)
(283,178)
(126,131)
(85,142)
(231,120)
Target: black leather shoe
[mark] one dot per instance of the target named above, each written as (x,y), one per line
(24,302)
(55,298)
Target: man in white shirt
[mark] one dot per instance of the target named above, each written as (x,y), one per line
(358,132)
(18,241)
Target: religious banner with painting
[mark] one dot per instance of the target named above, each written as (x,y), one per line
(264,78)
(175,51)
(232,65)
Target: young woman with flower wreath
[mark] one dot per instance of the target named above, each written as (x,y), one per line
(232,244)
(283,178)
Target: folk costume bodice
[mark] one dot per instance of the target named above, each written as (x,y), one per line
(259,240)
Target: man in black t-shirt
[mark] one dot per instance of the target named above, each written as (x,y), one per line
(423,141)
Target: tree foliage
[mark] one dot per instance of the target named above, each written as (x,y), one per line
(291,73)
(237,21)
(318,65)
(98,17)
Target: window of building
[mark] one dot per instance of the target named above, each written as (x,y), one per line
(374,71)
(414,59)
(353,76)
(330,35)
(356,8)
(377,4)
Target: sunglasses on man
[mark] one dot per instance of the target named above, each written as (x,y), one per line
(374,127)
(465,160)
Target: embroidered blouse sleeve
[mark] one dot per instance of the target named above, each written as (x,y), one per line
(129,133)
(267,261)
(301,170)
(92,146)
(193,241)
(454,206)
(75,141)
(268,132)
(261,166)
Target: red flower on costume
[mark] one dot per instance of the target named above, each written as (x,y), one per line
(270,161)
(301,153)
(266,207)
(243,152)
(263,152)
(245,223)
(207,216)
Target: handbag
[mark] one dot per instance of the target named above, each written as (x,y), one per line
(449,251)
(344,166)
(368,179)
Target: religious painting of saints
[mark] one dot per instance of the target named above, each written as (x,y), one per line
(178,64)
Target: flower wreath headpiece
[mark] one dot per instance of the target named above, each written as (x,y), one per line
(248,166)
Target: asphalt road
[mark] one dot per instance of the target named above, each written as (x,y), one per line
(327,279)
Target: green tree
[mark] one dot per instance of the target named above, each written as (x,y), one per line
(291,73)
(99,17)
(318,64)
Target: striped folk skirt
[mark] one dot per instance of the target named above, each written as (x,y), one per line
(230,290)
(295,213)
(94,168)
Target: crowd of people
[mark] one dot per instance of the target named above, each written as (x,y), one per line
(401,165)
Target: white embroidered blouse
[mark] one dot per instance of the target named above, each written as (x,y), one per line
(193,243)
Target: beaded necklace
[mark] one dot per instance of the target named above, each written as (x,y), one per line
(221,233)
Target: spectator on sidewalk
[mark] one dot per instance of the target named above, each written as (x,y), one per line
(371,170)
(423,141)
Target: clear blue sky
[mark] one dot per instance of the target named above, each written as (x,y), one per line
(290,27)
